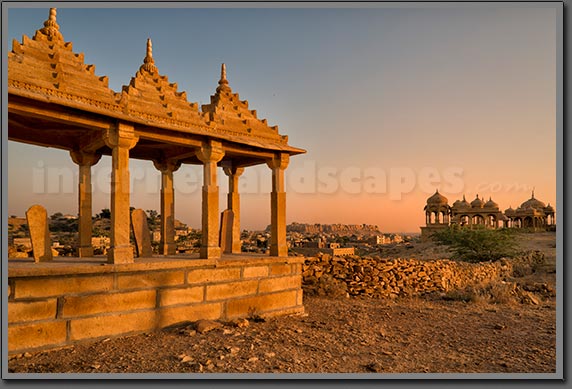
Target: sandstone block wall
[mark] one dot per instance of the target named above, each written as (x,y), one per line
(396,277)
(51,307)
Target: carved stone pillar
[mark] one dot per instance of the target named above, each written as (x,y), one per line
(278,246)
(210,154)
(85,162)
(120,139)
(234,205)
(167,245)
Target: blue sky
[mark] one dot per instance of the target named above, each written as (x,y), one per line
(470,87)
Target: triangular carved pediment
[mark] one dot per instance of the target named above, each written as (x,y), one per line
(151,95)
(47,65)
(226,111)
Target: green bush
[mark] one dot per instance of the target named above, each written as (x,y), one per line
(477,243)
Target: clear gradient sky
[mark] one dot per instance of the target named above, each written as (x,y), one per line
(378,96)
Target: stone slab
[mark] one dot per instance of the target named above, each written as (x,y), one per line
(142,234)
(37,219)
(30,336)
(226,223)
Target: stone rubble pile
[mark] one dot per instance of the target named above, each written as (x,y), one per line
(377,277)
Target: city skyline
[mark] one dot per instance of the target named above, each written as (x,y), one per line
(391,104)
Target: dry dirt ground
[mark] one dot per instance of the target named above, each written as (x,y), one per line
(429,334)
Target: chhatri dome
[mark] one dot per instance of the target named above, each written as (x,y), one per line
(491,204)
(533,203)
(437,199)
(462,203)
(477,203)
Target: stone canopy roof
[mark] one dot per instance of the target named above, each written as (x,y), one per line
(45,69)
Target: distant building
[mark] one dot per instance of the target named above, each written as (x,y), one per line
(342,251)
(532,214)
(25,242)
(477,213)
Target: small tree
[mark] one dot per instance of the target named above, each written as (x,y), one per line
(153,219)
(477,243)
(56,216)
(104,214)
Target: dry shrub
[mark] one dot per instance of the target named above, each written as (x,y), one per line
(521,269)
(466,294)
(528,263)
(501,292)
(329,286)
(326,285)
(543,289)
(498,292)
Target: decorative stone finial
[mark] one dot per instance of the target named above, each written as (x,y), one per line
(532,192)
(149,62)
(51,18)
(51,27)
(223,82)
(464,198)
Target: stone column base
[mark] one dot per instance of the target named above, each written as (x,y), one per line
(168,249)
(120,255)
(210,252)
(85,252)
(278,250)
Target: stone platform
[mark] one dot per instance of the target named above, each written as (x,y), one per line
(70,300)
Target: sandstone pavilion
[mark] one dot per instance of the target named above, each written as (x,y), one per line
(56,100)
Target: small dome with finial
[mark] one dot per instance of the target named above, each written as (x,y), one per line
(461,203)
(477,203)
(491,204)
(437,199)
(533,203)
